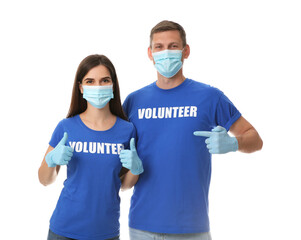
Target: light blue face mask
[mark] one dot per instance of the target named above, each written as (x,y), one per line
(168,62)
(98,96)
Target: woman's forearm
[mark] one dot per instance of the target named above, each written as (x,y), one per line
(47,175)
(128,181)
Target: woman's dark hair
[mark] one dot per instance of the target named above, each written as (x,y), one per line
(78,103)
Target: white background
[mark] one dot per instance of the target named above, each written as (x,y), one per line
(251,50)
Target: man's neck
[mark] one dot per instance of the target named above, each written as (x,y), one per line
(169,83)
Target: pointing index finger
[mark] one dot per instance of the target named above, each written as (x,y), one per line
(202,133)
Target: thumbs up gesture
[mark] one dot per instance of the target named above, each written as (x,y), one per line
(61,154)
(130,159)
(218,141)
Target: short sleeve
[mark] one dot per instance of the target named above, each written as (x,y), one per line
(226,113)
(57,135)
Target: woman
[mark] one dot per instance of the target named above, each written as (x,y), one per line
(89,142)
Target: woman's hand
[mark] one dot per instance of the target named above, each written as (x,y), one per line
(61,154)
(131,160)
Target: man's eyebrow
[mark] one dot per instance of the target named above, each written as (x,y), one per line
(155,44)
(174,43)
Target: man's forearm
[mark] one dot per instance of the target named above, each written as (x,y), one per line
(249,141)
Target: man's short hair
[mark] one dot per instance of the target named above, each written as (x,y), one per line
(168,26)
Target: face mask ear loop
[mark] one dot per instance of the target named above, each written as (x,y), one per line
(80,86)
(183,50)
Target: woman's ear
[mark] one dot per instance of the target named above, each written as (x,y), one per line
(81,88)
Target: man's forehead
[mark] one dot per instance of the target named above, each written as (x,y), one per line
(167,36)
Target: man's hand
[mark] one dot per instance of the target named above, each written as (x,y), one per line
(218,141)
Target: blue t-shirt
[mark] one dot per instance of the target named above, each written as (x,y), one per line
(171,195)
(89,204)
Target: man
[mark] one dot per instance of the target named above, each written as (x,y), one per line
(180,123)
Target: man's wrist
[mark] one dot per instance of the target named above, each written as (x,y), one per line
(235,144)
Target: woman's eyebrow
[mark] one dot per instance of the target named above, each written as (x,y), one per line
(108,77)
(87,79)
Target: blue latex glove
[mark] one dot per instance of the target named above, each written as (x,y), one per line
(131,160)
(218,141)
(61,154)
